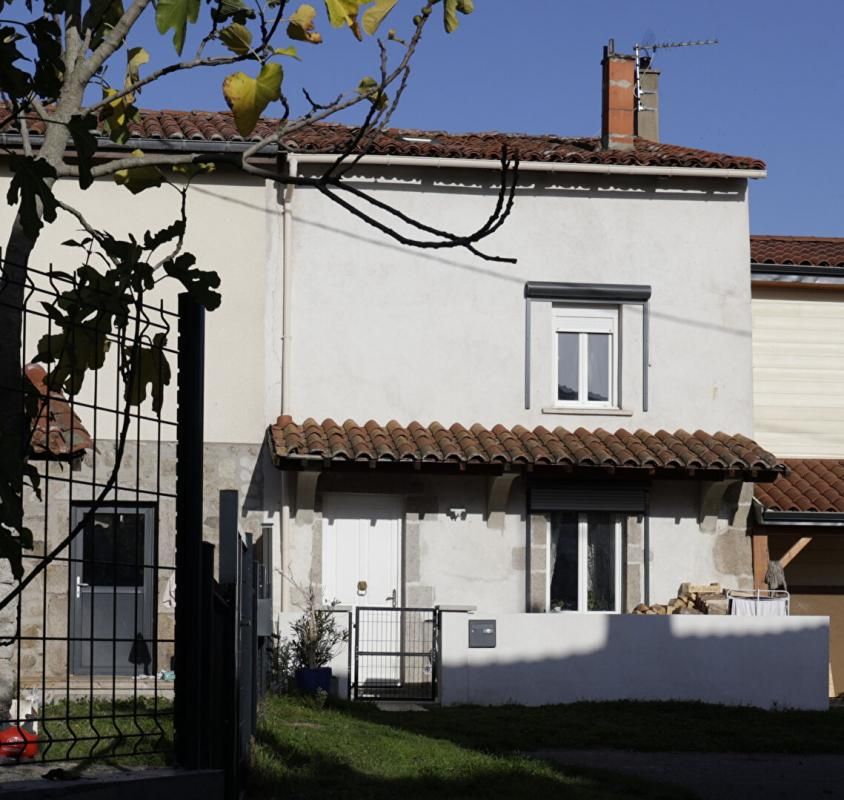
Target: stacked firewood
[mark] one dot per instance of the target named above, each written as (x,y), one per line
(693,598)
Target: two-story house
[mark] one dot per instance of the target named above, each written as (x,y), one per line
(569,433)
(542,436)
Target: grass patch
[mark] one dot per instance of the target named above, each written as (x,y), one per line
(623,725)
(305,751)
(124,731)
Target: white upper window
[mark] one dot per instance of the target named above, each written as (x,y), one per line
(586,356)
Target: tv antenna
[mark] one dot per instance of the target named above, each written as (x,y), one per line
(645,54)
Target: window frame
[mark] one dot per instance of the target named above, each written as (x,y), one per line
(583,320)
(583,565)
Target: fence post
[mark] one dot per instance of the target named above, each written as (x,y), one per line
(228,657)
(189,448)
(246,671)
(213,733)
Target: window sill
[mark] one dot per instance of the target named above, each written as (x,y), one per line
(592,412)
(572,611)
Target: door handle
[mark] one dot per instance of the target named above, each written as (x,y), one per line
(79,586)
(393,598)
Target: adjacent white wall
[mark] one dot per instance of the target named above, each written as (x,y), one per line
(234,229)
(769,662)
(798,371)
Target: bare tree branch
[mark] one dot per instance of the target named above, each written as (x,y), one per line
(342,104)
(24,129)
(111,42)
(149,160)
(80,218)
(216,61)
(502,208)
(422,244)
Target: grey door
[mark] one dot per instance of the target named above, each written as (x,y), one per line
(112,591)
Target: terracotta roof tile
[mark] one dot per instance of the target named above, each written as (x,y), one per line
(812,484)
(56,431)
(374,443)
(207,126)
(810,251)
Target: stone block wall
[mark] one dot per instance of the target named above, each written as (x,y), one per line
(147,475)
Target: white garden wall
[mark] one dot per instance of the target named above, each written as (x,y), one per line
(561,658)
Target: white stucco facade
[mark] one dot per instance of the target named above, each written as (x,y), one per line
(407,334)
(384,332)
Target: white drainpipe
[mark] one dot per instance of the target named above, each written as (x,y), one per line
(286,267)
(286,348)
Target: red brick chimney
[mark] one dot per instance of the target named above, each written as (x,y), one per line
(618,117)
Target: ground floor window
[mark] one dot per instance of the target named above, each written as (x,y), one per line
(585,562)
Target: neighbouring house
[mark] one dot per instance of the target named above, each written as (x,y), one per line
(798,391)
(567,437)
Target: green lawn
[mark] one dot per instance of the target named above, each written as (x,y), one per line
(623,725)
(348,750)
(304,751)
(130,731)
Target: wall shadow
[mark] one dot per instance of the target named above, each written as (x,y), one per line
(644,703)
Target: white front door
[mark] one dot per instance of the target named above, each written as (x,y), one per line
(361,549)
(361,566)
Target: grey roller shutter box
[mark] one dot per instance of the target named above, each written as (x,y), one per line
(588,497)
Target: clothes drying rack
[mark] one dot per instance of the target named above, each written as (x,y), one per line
(759,596)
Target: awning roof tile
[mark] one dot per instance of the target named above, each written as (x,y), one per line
(518,446)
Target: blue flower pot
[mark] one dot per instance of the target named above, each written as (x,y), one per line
(309,681)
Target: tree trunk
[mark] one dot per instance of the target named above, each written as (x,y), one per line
(13,429)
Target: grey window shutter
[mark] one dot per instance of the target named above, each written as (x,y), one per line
(588,497)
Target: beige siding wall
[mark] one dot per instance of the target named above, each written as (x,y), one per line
(798,371)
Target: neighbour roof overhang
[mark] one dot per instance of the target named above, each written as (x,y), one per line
(56,431)
(477,449)
(799,261)
(810,494)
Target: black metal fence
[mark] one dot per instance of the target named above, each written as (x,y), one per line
(104,652)
(228,676)
(87,638)
(395,653)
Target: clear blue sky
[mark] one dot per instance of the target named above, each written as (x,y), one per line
(773,88)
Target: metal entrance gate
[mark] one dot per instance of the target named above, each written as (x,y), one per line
(395,653)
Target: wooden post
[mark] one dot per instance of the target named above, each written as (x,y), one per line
(761,556)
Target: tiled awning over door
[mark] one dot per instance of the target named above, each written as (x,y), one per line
(701,454)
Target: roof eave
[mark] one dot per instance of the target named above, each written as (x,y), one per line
(303,462)
(199,147)
(803,270)
(777,518)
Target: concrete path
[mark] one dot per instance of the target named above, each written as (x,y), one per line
(726,776)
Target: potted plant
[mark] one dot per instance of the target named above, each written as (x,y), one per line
(316,640)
